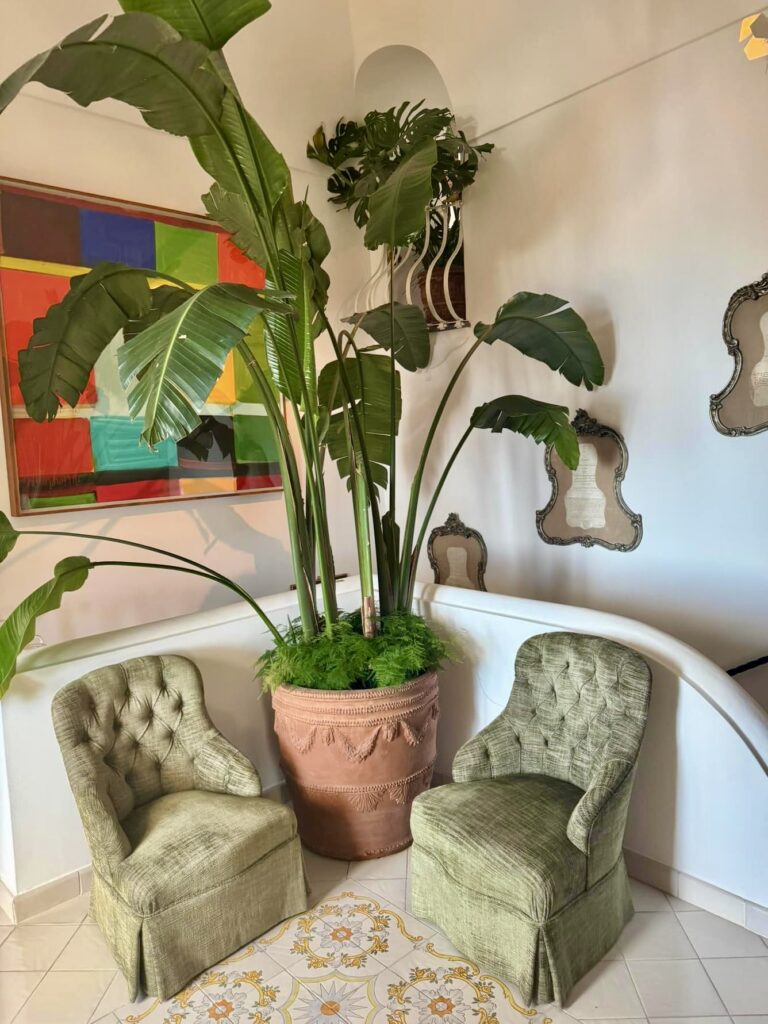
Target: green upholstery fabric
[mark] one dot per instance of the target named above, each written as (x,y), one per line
(189,861)
(520,860)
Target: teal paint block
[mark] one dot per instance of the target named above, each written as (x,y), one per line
(117,445)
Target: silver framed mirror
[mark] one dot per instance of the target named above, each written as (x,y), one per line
(586,506)
(741,408)
(458,555)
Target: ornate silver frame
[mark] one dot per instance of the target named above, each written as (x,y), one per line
(749,292)
(585,426)
(454,527)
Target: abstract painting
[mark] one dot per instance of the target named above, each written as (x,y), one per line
(92,455)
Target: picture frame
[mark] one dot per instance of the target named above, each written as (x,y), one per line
(458,555)
(740,409)
(586,506)
(90,457)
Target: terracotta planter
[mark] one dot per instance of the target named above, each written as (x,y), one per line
(354,761)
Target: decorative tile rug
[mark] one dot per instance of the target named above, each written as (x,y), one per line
(352,959)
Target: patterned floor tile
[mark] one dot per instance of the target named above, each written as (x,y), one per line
(348,930)
(434,984)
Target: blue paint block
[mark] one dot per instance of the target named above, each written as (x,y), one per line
(117,238)
(117,445)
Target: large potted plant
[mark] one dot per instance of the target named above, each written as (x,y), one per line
(362,685)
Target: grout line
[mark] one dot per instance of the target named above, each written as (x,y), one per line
(610,78)
(36,987)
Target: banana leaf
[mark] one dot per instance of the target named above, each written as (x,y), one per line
(396,210)
(411,335)
(138,59)
(67,341)
(19,628)
(186,351)
(546,328)
(545,423)
(369,377)
(8,537)
(210,22)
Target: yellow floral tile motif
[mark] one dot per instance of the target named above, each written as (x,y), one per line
(346,930)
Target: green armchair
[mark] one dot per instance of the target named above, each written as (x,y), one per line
(520,861)
(189,861)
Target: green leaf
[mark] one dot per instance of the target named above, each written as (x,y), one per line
(138,59)
(67,341)
(369,378)
(546,328)
(210,22)
(411,335)
(170,368)
(19,628)
(235,216)
(543,422)
(260,171)
(290,346)
(164,300)
(8,536)
(397,209)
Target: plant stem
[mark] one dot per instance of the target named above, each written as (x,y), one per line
(394,554)
(413,504)
(414,557)
(206,576)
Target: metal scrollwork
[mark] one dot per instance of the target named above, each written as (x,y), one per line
(586,426)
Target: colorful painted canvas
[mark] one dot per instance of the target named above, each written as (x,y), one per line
(91,455)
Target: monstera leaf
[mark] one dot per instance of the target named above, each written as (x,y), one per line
(210,22)
(370,378)
(543,422)
(170,368)
(548,329)
(397,209)
(138,59)
(19,628)
(411,335)
(67,341)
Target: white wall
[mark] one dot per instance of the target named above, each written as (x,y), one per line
(629,182)
(290,85)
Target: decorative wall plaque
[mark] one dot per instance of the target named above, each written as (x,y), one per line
(741,408)
(458,555)
(586,506)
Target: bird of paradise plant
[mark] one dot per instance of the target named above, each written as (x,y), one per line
(165,58)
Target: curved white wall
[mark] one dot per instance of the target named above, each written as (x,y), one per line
(700,807)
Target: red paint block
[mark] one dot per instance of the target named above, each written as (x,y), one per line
(26,296)
(139,490)
(55,450)
(235,267)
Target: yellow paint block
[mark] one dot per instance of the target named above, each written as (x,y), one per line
(41,267)
(223,392)
(208,485)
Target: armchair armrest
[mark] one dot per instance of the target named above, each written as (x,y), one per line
(221,768)
(597,822)
(108,842)
(493,752)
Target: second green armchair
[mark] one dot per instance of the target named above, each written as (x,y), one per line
(189,861)
(520,862)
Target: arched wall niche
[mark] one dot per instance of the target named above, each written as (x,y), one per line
(393,74)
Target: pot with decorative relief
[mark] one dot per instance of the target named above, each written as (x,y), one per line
(355,760)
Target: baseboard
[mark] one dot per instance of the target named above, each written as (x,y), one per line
(697,892)
(45,897)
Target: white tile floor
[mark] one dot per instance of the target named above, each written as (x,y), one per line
(674,964)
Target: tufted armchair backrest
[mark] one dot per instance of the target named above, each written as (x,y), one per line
(133,729)
(577,701)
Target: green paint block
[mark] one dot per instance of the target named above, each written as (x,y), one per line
(245,387)
(254,439)
(187,253)
(60,500)
(117,445)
